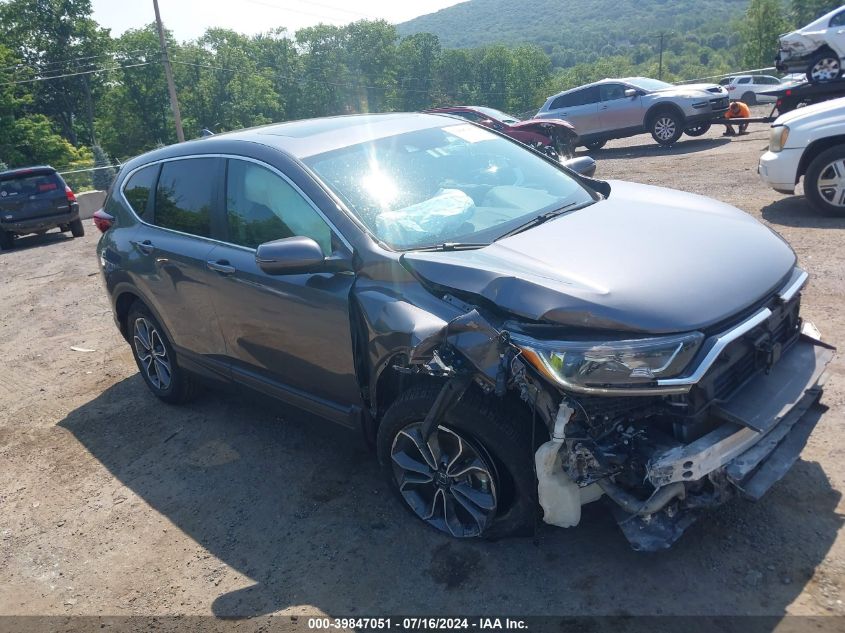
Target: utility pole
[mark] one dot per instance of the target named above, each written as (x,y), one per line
(168,73)
(661,37)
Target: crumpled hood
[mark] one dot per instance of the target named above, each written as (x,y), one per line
(647,259)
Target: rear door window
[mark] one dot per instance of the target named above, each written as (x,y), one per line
(185,195)
(138,188)
(578,98)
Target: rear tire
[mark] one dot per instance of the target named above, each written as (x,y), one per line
(497,435)
(749,98)
(76,228)
(156,359)
(698,130)
(825,66)
(824,182)
(594,145)
(7,240)
(666,127)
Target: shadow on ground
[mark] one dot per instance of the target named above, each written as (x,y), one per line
(650,148)
(34,241)
(797,211)
(298,506)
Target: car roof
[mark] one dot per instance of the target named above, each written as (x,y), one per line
(607,80)
(309,137)
(22,171)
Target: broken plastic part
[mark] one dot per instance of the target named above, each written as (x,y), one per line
(560,497)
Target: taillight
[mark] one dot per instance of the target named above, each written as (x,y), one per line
(71,197)
(731,87)
(103,221)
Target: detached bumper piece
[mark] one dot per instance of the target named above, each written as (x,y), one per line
(764,431)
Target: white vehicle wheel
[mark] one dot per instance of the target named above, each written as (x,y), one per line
(824,67)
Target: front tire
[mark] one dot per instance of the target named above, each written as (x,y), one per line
(666,127)
(824,182)
(825,66)
(474,477)
(594,145)
(7,241)
(156,359)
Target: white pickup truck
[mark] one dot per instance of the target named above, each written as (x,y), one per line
(809,142)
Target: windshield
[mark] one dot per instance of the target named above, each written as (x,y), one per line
(648,84)
(452,184)
(498,115)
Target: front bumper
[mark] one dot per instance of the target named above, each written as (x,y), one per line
(763,431)
(43,223)
(779,170)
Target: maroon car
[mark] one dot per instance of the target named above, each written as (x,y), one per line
(552,136)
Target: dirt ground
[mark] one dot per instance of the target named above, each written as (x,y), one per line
(112,503)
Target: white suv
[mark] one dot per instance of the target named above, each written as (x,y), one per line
(746,88)
(809,142)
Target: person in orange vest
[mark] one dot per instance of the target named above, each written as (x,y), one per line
(737,110)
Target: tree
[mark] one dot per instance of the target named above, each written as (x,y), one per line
(55,38)
(103,171)
(764,21)
(529,71)
(805,11)
(417,65)
(135,113)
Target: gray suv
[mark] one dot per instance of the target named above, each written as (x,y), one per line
(618,108)
(510,336)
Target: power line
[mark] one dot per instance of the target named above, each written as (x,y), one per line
(71,60)
(77,74)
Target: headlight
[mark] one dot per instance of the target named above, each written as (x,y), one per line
(777,138)
(596,366)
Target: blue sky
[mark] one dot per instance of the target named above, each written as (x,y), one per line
(188,19)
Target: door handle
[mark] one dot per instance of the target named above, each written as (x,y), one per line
(221,266)
(604,107)
(146,247)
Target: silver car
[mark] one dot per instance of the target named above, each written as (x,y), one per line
(617,108)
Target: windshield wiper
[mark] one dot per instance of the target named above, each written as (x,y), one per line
(451,246)
(537,221)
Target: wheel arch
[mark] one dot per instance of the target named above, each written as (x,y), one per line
(665,106)
(814,149)
(125,296)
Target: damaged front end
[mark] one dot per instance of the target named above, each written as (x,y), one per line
(702,418)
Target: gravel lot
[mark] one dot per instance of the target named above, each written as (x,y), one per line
(112,503)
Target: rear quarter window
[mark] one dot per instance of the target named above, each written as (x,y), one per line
(137,190)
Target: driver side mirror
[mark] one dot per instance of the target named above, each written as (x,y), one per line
(583,165)
(296,255)
(631,92)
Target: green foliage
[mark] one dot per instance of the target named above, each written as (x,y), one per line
(104,173)
(513,56)
(803,12)
(764,21)
(3,166)
(576,32)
